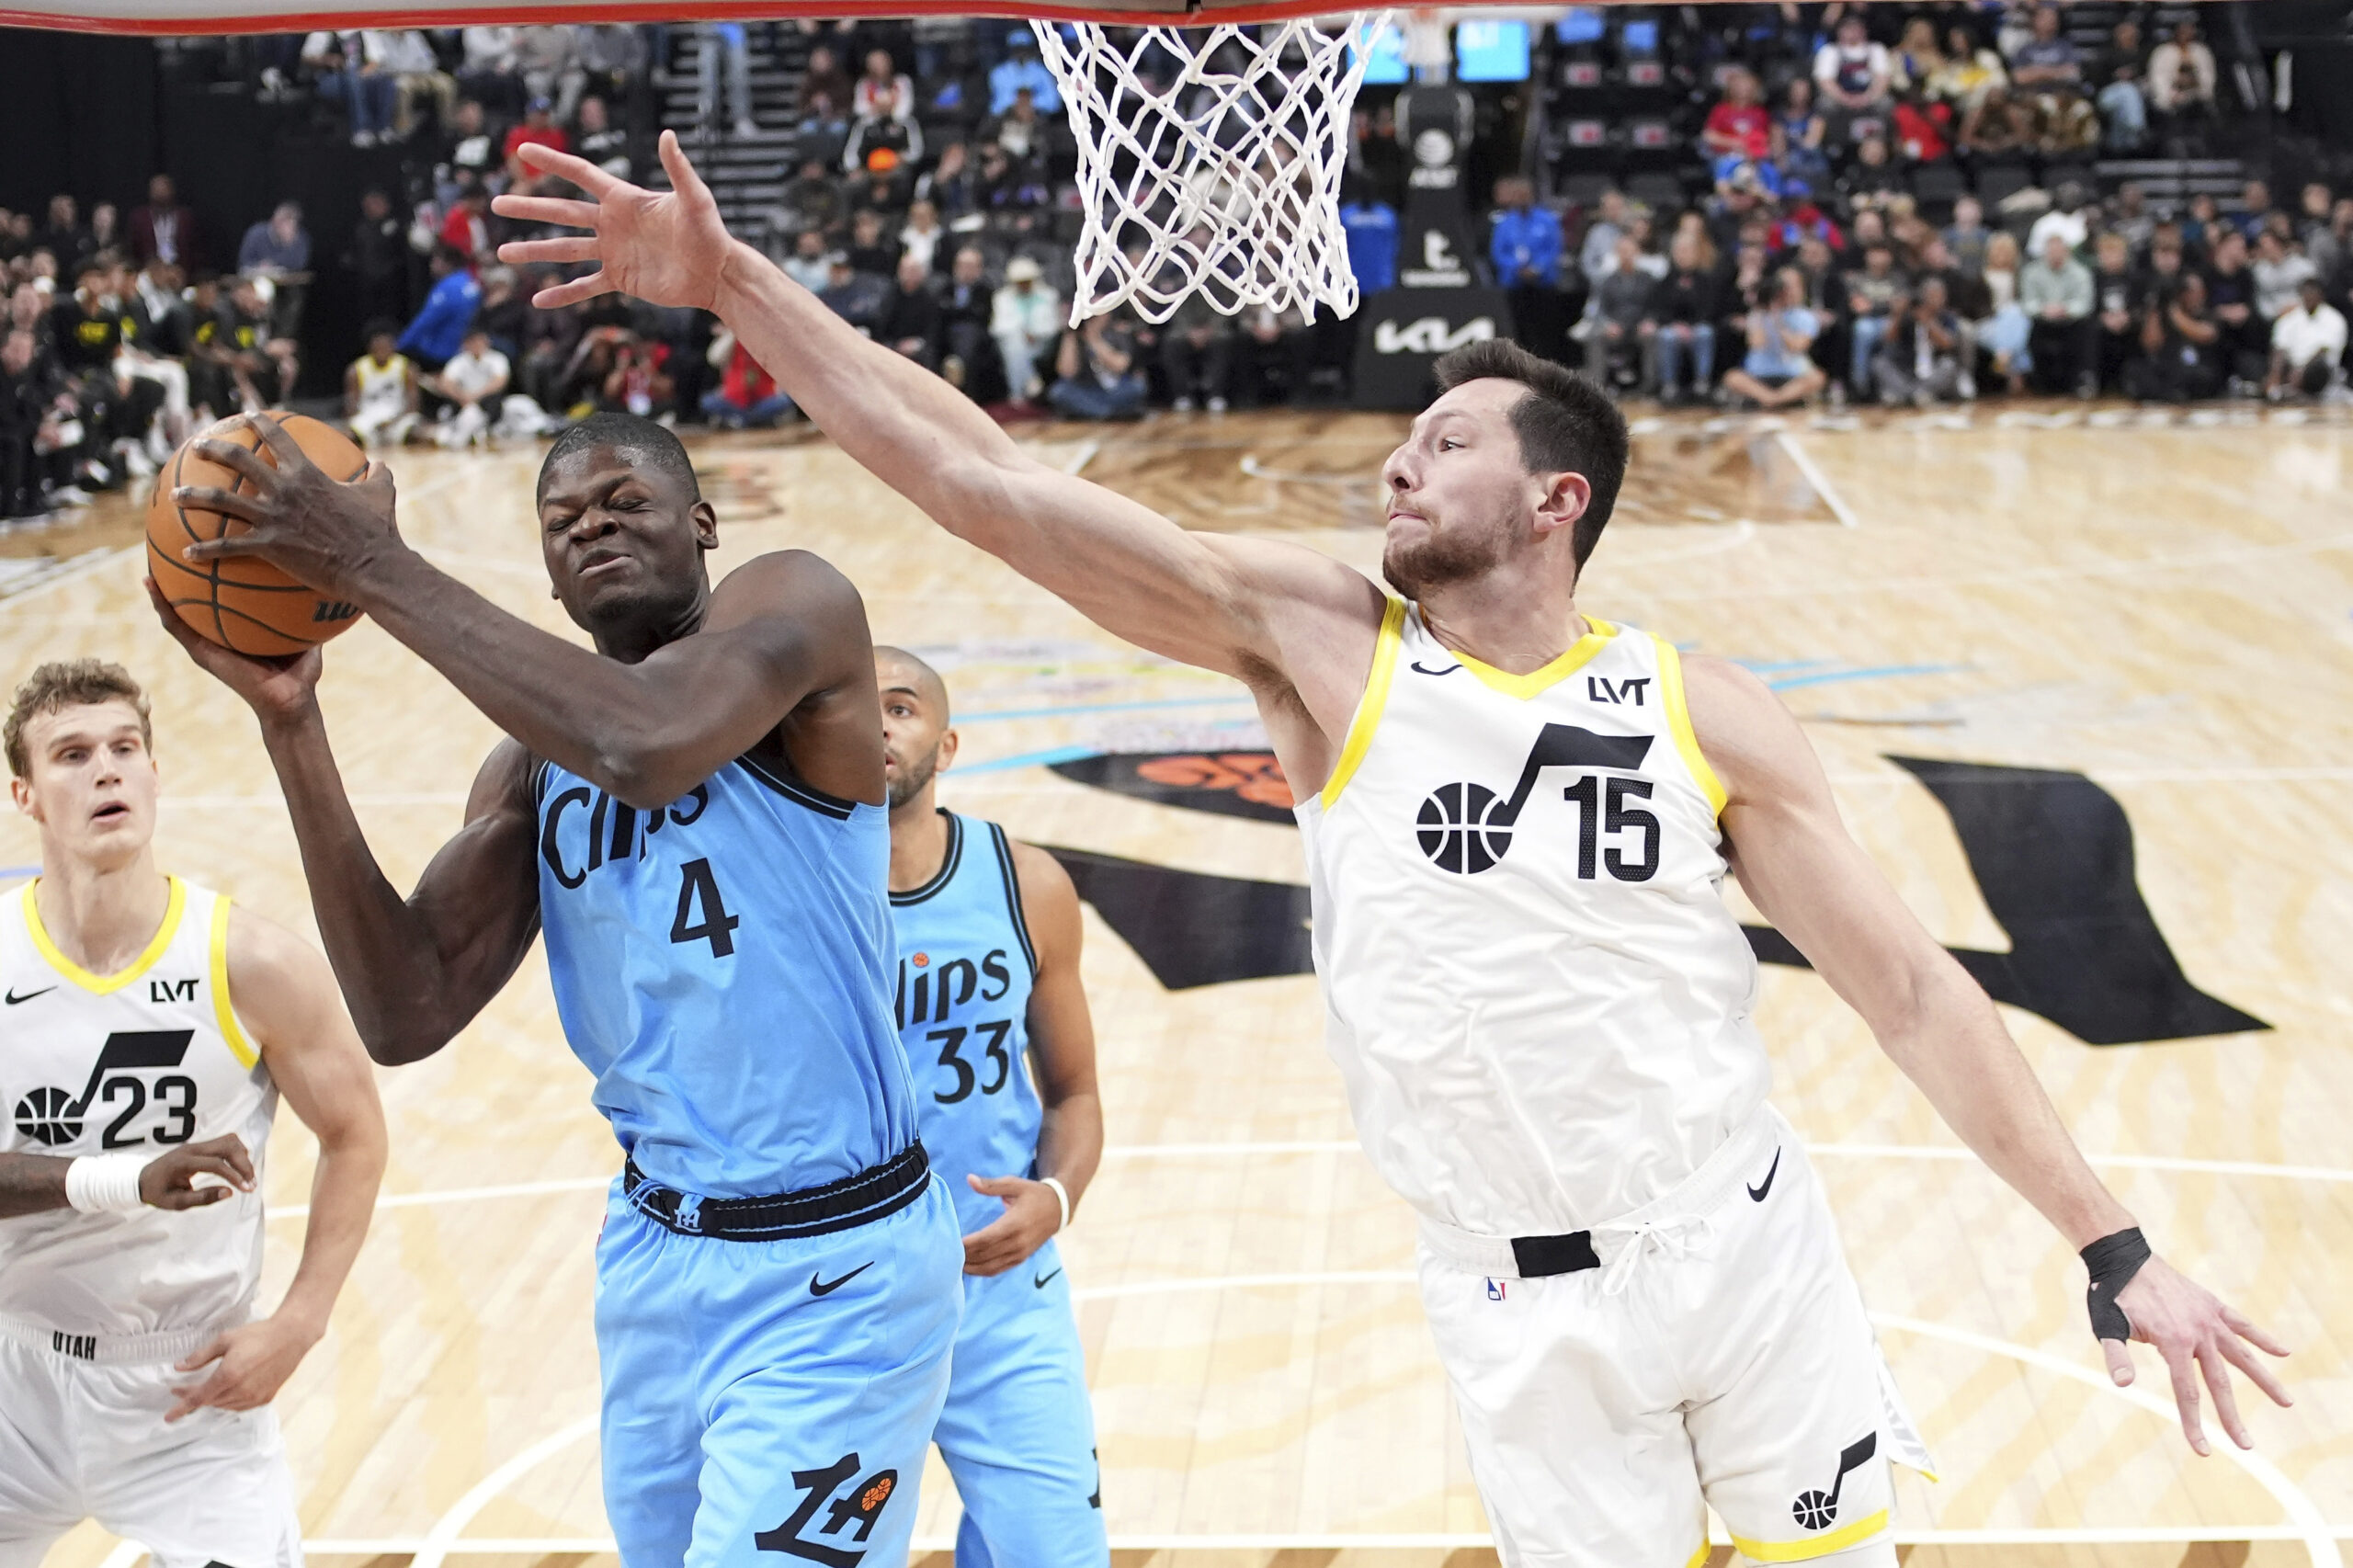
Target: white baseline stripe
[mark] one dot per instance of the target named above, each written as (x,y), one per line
(1346,1145)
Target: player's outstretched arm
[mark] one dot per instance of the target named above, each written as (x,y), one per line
(415,970)
(1800,867)
(286,994)
(1248,608)
(1061,1041)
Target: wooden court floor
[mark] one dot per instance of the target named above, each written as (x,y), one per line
(2130,637)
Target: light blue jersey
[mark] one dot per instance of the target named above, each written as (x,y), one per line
(965,970)
(1018,1432)
(777,1277)
(723,967)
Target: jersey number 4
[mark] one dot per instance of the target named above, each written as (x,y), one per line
(699,895)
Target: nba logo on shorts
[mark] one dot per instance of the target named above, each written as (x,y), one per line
(1495,1289)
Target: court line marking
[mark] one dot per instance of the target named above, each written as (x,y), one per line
(2307,1527)
(1341,1146)
(443,1536)
(1787,442)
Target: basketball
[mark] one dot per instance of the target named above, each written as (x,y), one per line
(247,606)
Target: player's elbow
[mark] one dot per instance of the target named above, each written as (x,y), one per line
(1927,995)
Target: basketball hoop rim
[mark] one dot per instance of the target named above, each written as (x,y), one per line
(117,17)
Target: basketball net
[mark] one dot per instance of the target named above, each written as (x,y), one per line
(1210,162)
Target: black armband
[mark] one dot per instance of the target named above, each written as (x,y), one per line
(2113,1261)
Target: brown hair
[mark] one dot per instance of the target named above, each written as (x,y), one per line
(70,682)
(1565,425)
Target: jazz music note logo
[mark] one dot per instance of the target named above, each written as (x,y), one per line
(1816,1510)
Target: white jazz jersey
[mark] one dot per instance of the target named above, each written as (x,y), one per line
(383,389)
(131,1063)
(1533,988)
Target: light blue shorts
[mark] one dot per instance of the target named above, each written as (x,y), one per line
(769,1403)
(1018,1433)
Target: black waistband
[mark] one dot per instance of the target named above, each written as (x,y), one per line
(1539,1256)
(843,1205)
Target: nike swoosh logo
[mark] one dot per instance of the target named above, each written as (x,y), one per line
(1427,671)
(13,999)
(827,1287)
(1758,1193)
(1043,1280)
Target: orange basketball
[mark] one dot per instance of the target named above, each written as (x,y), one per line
(245,604)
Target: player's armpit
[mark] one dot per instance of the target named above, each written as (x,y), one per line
(283,990)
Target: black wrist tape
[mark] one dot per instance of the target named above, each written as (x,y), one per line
(2113,1261)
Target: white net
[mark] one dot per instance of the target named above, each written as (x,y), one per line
(1210,162)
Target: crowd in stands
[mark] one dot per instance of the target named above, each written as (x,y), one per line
(1885,204)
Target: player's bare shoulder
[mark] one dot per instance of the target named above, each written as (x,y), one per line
(278,982)
(1751,740)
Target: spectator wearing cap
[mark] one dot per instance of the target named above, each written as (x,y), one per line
(165,227)
(1024,319)
(538,127)
(2069,217)
(1022,68)
(1853,77)
(2055,291)
(1525,248)
(2307,344)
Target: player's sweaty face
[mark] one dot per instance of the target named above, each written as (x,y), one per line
(622,540)
(93,785)
(1459,491)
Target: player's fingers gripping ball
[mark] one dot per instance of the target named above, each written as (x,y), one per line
(245,604)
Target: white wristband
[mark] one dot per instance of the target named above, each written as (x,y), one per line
(104,1184)
(1062,1195)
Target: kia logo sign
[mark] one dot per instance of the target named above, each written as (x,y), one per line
(1429,335)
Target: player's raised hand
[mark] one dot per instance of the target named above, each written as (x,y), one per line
(665,247)
(317,528)
(168,1181)
(2198,1334)
(250,1363)
(275,689)
(1032,1214)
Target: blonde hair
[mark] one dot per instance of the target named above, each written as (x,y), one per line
(71,683)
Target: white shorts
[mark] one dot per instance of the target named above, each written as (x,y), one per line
(1719,1352)
(86,1438)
